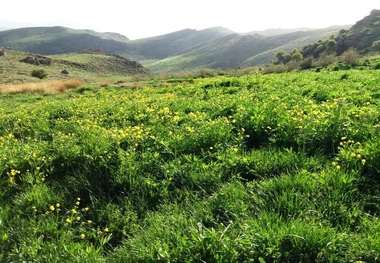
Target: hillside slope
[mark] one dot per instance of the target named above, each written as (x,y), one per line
(92,65)
(182,50)
(361,35)
(59,40)
(236,50)
(164,46)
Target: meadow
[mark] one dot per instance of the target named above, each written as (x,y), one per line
(254,168)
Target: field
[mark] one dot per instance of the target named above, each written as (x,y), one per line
(256,168)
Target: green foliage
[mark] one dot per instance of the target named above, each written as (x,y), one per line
(39,73)
(376,46)
(297,56)
(330,44)
(254,168)
(306,63)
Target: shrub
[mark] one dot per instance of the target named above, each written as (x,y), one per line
(350,56)
(297,56)
(39,73)
(326,59)
(376,46)
(336,68)
(306,63)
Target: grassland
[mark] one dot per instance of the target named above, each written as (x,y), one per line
(255,168)
(86,66)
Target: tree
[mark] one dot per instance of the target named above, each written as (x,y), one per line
(330,44)
(280,54)
(282,57)
(297,56)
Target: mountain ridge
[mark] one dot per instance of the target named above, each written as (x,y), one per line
(185,49)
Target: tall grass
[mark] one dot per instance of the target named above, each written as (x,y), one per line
(256,168)
(48,87)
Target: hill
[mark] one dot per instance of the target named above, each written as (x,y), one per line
(345,48)
(236,50)
(182,50)
(59,40)
(277,31)
(361,35)
(91,65)
(161,47)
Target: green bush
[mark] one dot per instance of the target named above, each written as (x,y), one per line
(39,73)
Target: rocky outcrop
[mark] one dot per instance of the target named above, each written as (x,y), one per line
(37,60)
(361,35)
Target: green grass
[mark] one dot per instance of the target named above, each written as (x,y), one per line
(256,168)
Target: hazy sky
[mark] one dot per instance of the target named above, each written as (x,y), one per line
(144,18)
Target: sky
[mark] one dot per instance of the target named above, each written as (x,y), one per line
(146,18)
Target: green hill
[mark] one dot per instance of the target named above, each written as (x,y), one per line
(361,35)
(346,47)
(91,65)
(235,50)
(182,50)
(161,47)
(59,40)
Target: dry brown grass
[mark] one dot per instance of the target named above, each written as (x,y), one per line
(104,83)
(50,87)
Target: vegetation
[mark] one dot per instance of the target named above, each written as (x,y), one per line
(182,50)
(86,66)
(39,73)
(347,48)
(47,87)
(252,168)
(202,166)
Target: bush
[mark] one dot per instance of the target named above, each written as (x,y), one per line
(376,46)
(351,56)
(306,63)
(39,73)
(326,59)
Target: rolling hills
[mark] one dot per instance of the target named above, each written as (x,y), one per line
(182,50)
(191,49)
(236,50)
